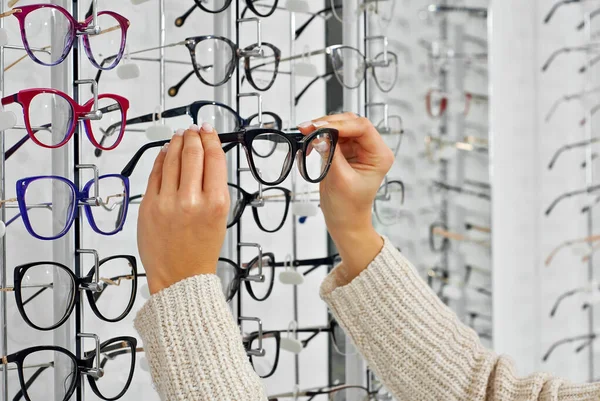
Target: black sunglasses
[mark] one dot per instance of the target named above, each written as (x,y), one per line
(44,359)
(218,114)
(34,289)
(276,150)
(270,8)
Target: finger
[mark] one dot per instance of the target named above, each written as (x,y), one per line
(215,166)
(172,165)
(310,126)
(360,131)
(155,178)
(192,162)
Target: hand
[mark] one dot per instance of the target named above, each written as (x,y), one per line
(359,165)
(183,216)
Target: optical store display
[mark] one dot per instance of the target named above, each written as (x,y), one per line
(128,74)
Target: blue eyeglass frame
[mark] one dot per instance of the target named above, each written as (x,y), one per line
(77,196)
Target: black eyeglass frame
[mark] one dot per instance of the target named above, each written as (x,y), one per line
(79,283)
(247,199)
(83,366)
(244,275)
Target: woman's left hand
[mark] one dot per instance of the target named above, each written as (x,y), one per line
(183,216)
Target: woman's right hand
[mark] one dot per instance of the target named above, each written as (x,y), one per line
(359,165)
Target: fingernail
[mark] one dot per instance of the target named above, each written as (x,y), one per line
(180,132)
(305,124)
(194,128)
(206,127)
(318,124)
(165,148)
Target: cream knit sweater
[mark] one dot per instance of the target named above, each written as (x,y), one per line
(412,341)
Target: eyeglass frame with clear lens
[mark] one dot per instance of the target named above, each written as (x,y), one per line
(247,199)
(244,274)
(249,6)
(76,29)
(84,366)
(297,142)
(79,113)
(79,198)
(237,54)
(78,284)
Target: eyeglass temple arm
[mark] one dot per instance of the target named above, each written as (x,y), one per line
(564,341)
(179,21)
(303,27)
(562,298)
(570,146)
(555,7)
(593,14)
(174,90)
(21,393)
(591,63)
(586,344)
(568,195)
(326,76)
(128,169)
(440,8)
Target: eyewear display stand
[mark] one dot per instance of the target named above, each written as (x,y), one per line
(3,269)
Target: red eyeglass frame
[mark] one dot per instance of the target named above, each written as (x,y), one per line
(25,97)
(444,103)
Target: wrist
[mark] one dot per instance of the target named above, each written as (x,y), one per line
(357,250)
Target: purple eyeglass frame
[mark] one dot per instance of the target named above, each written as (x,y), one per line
(77,197)
(75,29)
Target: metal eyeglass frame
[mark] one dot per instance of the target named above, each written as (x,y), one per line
(76,29)
(588,288)
(84,366)
(587,190)
(192,111)
(89,283)
(588,337)
(297,142)
(556,6)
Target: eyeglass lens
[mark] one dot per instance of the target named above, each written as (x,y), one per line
(260,290)
(209,50)
(318,155)
(112,195)
(236,206)
(264,366)
(213,5)
(274,157)
(262,76)
(42,24)
(273,213)
(112,114)
(51,118)
(388,203)
(223,119)
(47,293)
(349,66)
(386,76)
(51,206)
(117,369)
(50,380)
(118,279)
(108,41)
(228,275)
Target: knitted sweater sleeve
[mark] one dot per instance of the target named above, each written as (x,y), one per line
(419,348)
(193,345)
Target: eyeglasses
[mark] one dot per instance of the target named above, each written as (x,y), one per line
(587,240)
(442,146)
(451,289)
(589,338)
(43,105)
(460,190)
(314,153)
(440,236)
(350,66)
(270,207)
(49,15)
(222,5)
(62,197)
(204,50)
(218,47)
(64,381)
(335,393)
(217,114)
(480,12)
(570,146)
(588,289)
(436,102)
(35,290)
